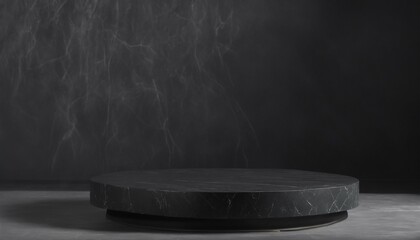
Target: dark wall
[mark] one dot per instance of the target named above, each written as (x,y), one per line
(89,87)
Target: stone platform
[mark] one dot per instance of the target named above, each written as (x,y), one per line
(225,199)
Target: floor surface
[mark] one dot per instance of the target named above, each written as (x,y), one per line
(68,215)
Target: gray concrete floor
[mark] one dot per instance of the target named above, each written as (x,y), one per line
(68,215)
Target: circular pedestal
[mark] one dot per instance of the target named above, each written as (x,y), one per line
(225,199)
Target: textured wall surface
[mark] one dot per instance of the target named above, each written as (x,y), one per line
(96,86)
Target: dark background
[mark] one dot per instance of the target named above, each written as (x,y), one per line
(93,87)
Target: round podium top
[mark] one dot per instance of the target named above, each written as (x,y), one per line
(224,180)
(225,193)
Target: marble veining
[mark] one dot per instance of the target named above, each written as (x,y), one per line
(225,193)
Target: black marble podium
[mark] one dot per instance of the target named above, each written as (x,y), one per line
(225,199)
